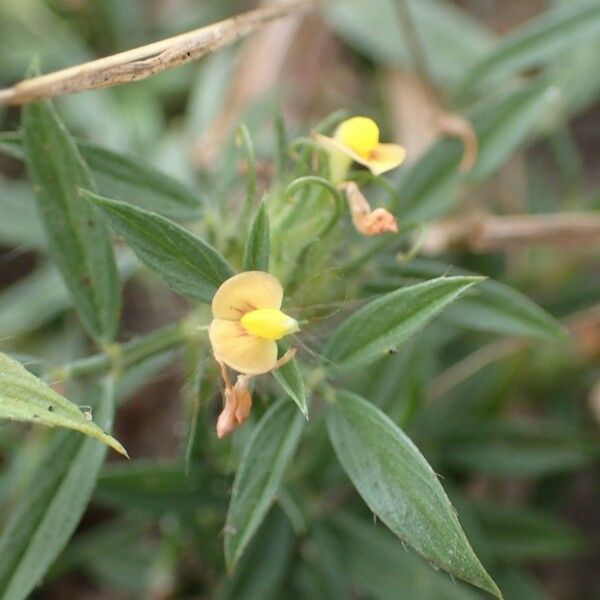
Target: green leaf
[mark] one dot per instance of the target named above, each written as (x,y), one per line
(516,449)
(428,188)
(32,301)
(48,512)
(24,397)
(384,323)
(127,178)
(77,238)
(266,457)
(379,566)
(510,121)
(19,223)
(516,534)
(185,262)
(152,488)
(261,572)
(36,299)
(492,306)
(451,39)
(537,42)
(256,252)
(400,487)
(290,379)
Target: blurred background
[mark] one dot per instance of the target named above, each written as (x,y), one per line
(512,424)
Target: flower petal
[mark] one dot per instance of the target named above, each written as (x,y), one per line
(239,350)
(332,144)
(384,158)
(245,292)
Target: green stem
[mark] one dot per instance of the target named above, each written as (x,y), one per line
(334,193)
(123,356)
(281,145)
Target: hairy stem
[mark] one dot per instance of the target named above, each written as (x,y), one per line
(123,356)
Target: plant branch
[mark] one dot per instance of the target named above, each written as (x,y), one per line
(123,356)
(145,61)
(486,233)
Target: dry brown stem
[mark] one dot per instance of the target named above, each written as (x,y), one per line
(149,60)
(485,233)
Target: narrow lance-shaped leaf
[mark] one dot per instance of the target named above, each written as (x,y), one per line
(50,509)
(77,237)
(387,321)
(257,480)
(126,178)
(400,487)
(492,307)
(512,120)
(185,262)
(537,41)
(24,397)
(290,379)
(379,565)
(256,252)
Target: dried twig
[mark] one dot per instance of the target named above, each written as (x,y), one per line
(485,233)
(146,61)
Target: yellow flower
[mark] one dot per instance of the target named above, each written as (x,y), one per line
(247,321)
(358,139)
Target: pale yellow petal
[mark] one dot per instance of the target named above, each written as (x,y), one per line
(245,292)
(384,158)
(243,352)
(332,144)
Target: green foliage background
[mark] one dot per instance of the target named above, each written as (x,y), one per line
(451,394)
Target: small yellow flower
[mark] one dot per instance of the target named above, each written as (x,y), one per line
(358,139)
(247,321)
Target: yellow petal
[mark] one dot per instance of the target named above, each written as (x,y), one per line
(384,158)
(333,144)
(360,134)
(269,323)
(243,352)
(246,292)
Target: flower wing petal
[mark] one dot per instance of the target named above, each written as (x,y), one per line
(241,351)
(384,158)
(244,292)
(333,144)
